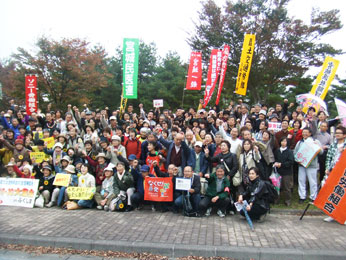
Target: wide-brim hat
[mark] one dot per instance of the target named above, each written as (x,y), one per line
(47,167)
(66,158)
(70,169)
(101,155)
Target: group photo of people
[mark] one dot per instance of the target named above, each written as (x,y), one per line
(229,154)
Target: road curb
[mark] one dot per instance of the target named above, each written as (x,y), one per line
(174,250)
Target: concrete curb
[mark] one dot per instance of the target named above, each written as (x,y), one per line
(174,250)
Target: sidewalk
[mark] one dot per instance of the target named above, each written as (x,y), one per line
(279,237)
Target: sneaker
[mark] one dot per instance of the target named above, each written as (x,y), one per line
(220,213)
(106,208)
(262,218)
(50,204)
(328,219)
(128,208)
(207,214)
(153,208)
(301,201)
(99,207)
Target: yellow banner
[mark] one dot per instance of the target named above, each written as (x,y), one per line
(50,142)
(245,64)
(37,135)
(80,193)
(325,77)
(38,156)
(62,179)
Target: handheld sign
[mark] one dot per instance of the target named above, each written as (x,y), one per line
(158,103)
(62,179)
(158,189)
(38,156)
(81,193)
(275,126)
(182,184)
(50,142)
(306,153)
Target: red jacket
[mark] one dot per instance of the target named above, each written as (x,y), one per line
(133,146)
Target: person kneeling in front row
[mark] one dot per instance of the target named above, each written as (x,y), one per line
(217,194)
(256,195)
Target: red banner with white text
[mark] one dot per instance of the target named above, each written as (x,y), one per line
(225,54)
(194,77)
(31,94)
(213,73)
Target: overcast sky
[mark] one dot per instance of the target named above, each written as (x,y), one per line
(107,22)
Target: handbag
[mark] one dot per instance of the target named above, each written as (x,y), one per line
(236,180)
(276,179)
(39,202)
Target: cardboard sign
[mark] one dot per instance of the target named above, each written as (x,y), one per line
(182,184)
(38,156)
(275,126)
(37,135)
(158,102)
(332,197)
(50,142)
(62,179)
(307,153)
(158,189)
(18,192)
(81,193)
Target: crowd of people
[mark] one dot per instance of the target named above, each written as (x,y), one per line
(229,154)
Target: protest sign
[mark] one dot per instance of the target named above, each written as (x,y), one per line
(307,152)
(62,179)
(275,126)
(37,135)
(245,64)
(31,94)
(331,198)
(341,107)
(213,74)
(158,189)
(50,142)
(225,54)
(158,103)
(38,156)
(18,192)
(130,68)
(182,184)
(81,193)
(194,77)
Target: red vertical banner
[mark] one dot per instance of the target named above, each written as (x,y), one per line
(31,93)
(194,77)
(225,54)
(332,196)
(213,73)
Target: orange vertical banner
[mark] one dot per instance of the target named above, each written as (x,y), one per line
(332,197)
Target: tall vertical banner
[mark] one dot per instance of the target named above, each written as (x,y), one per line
(225,54)
(332,196)
(213,73)
(130,67)
(31,93)
(194,77)
(341,107)
(245,64)
(324,79)
(0,91)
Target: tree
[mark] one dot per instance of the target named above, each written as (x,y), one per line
(285,47)
(68,71)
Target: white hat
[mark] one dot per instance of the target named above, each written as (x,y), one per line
(115,137)
(66,158)
(199,143)
(29,167)
(108,168)
(7,115)
(112,118)
(70,169)
(58,145)
(262,111)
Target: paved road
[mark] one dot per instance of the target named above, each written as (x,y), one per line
(174,235)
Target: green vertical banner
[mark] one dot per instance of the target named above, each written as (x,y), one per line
(130,67)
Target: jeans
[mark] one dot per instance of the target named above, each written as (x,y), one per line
(194,198)
(86,203)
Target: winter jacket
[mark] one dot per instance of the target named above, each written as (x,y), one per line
(286,159)
(229,159)
(123,184)
(257,193)
(212,187)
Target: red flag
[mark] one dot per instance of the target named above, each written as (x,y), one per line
(225,54)
(31,94)
(194,78)
(332,196)
(158,189)
(213,73)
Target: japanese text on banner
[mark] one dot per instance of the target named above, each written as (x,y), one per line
(194,77)
(158,189)
(81,193)
(31,94)
(130,68)
(213,74)
(245,64)
(225,54)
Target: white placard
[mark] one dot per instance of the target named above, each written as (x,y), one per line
(158,102)
(276,126)
(18,192)
(182,184)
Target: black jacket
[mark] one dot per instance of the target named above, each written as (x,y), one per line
(257,193)
(230,159)
(286,159)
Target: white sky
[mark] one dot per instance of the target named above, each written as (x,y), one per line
(107,22)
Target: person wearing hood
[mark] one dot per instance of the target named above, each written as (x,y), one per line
(256,195)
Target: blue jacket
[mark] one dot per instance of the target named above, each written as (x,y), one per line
(185,155)
(8,125)
(140,181)
(203,163)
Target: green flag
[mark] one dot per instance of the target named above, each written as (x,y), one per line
(130,67)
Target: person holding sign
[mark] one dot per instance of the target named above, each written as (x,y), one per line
(105,196)
(310,171)
(217,194)
(46,187)
(193,192)
(86,180)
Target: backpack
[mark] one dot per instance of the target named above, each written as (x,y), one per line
(272,195)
